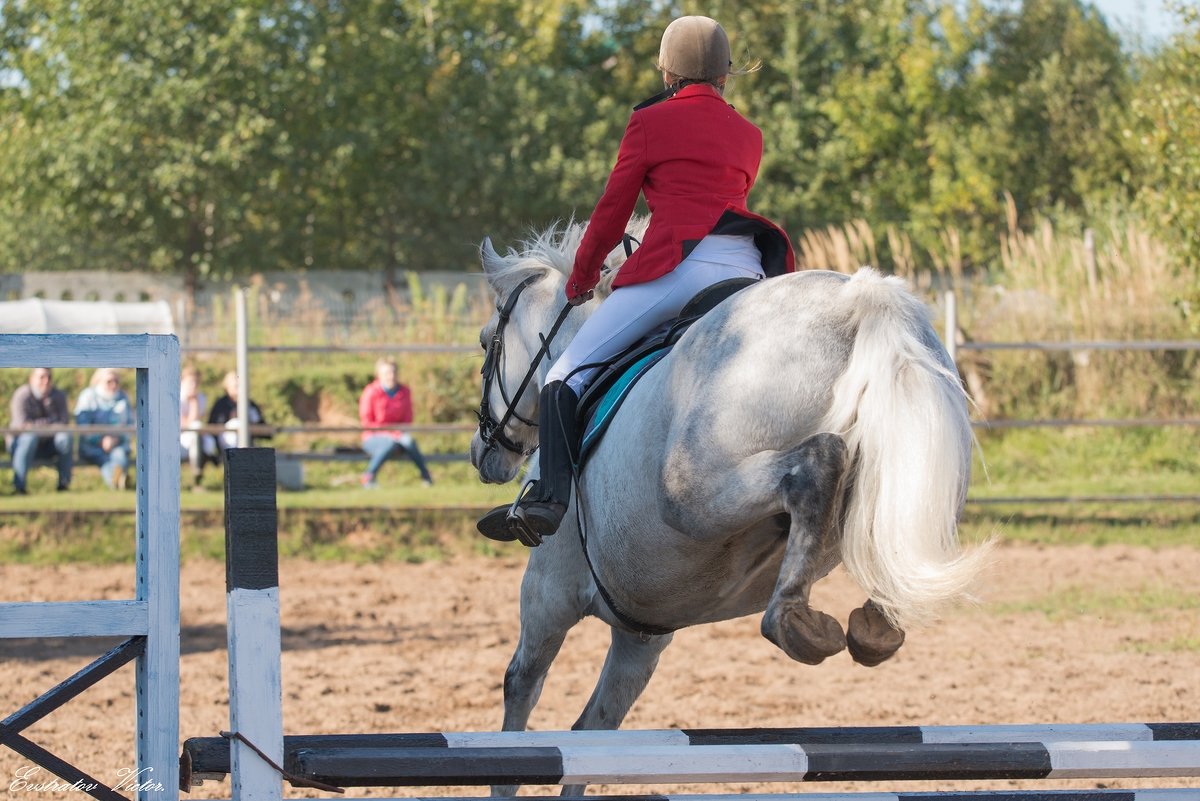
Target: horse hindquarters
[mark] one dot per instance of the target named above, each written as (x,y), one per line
(903,414)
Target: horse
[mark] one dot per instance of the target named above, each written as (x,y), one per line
(809,420)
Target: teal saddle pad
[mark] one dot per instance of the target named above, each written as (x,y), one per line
(604,395)
(605,408)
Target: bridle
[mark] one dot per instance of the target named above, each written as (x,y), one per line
(491,430)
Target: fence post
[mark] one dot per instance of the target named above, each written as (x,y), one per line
(243,377)
(951,325)
(1089,254)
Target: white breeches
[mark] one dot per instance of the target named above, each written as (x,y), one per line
(632,312)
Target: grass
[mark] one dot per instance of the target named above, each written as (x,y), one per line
(1147,600)
(1087,462)
(354,535)
(336,519)
(328,487)
(1139,525)
(1176,645)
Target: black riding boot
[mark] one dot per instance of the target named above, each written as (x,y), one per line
(540,512)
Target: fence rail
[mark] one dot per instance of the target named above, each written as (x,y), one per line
(256,430)
(474,349)
(1040,499)
(1129,422)
(1068,345)
(1085,345)
(243,348)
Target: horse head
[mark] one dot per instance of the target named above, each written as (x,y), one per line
(528,287)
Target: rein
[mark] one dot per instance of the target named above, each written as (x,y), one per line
(491,430)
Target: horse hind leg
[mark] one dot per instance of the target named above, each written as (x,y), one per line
(627,670)
(812,492)
(871,637)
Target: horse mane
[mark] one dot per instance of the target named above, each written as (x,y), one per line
(553,250)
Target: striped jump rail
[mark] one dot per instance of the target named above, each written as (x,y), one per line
(767,754)
(968,795)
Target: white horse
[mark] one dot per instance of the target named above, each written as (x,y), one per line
(810,419)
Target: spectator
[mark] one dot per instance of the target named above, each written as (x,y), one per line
(225,413)
(104,403)
(195,447)
(386,402)
(35,405)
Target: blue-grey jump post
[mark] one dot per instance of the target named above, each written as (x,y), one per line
(150,619)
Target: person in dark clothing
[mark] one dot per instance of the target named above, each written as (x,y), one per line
(38,404)
(225,413)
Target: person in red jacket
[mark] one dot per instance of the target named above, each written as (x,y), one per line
(695,159)
(387,402)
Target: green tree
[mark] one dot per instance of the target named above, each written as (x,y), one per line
(864,106)
(244,135)
(923,115)
(1051,92)
(137,131)
(1165,131)
(240,135)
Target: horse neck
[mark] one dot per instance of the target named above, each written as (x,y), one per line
(566,333)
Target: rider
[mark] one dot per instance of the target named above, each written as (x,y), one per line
(695,158)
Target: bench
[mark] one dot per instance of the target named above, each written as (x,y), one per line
(39,461)
(289,465)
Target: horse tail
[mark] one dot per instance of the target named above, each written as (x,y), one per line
(903,413)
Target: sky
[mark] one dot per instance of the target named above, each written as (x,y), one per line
(1145,17)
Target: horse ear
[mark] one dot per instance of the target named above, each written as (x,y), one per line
(490,259)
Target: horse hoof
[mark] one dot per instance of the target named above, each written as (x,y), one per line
(805,634)
(870,637)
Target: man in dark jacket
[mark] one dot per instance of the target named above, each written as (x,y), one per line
(38,404)
(225,413)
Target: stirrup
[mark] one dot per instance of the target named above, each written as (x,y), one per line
(506,524)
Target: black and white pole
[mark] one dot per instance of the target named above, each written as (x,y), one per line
(252,604)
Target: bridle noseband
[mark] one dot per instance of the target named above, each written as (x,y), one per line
(491,430)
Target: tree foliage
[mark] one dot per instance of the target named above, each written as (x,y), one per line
(230,136)
(1165,129)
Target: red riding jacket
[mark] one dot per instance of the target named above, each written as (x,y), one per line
(696,159)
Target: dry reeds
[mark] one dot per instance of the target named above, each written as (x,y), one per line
(1115,281)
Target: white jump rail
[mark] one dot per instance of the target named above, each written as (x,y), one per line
(153,612)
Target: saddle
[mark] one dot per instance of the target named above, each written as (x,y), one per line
(602,397)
